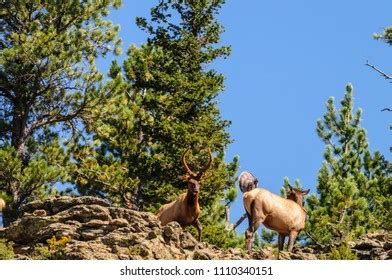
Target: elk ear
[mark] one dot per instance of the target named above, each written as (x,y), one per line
(305,192)
(291,188)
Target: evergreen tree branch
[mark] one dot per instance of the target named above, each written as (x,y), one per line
(240,220)
(314,239)
(382,73)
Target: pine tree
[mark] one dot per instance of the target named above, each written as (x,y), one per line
(387,38)
(166,104)
(257,242)
(173,87)
(169,101)
(352,196)
(48,80)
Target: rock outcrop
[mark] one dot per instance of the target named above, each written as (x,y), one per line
(98,231)
(373,246)
(93,229)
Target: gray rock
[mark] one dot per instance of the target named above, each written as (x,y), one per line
(172,231)
(377,253)
(40,213)
(94,223)
(367,244)
(119,222)
(201,255)
(387,246)
(99,231)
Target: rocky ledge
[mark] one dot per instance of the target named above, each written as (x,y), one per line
(95,230)
(373,246)
(90,228)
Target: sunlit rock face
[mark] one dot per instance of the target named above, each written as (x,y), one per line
(90,228)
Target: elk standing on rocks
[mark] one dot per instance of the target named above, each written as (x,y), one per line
(285,216)
(185,209)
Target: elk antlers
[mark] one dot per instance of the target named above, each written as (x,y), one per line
(190,173)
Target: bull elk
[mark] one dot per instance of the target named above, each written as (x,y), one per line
(185,209)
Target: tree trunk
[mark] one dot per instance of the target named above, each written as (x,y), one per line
(19,128)
(227,216)
(19,133)
(240,220)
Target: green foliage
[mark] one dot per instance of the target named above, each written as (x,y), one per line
(215,220)
(286,183)
(48,83)
(54,249)
(386,36)
(6,250)
(164,102)
(135,250)
(125,135)
(267,238)
(32,179)
(341,252)
(378,191)
(354,186)
(175,97)
(217,234)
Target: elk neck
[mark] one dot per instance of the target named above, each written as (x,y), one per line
(192,199)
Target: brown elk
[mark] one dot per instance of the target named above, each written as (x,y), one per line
(283,215)
(185,209)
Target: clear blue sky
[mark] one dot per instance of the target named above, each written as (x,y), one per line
(287,58)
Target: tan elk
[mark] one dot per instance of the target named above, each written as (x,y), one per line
(283,215)
(185,209)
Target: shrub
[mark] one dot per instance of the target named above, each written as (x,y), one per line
(54,250)
(6,250)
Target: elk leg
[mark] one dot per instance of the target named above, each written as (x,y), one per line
(248,234)
(254,223)
(292,237)
(281,239)
(199,228)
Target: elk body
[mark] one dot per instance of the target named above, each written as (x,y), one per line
(185,209)
(285,216)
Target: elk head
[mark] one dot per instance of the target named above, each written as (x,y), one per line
(296,195)
(193,178)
